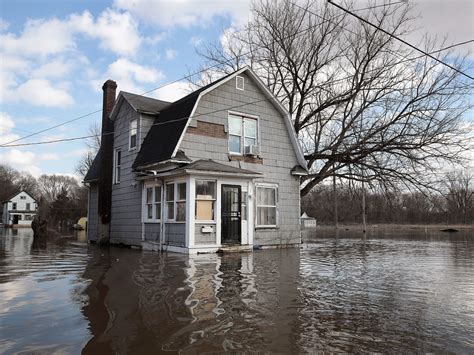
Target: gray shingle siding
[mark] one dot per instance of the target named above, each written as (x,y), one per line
(277,152)
(175,234)
(152,231)
(204,238)
(126,226)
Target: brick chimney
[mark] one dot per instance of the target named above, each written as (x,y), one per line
(107,157)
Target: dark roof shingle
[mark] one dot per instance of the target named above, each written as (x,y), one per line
(167,128)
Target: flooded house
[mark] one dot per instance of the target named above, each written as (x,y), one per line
(19,210)
(219,168)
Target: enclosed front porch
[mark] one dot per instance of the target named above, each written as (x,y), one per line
(201,207)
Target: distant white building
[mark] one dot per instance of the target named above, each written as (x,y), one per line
(307,221)
(19,210)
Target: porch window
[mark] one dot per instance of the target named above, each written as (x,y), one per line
(267,206)
(117,165)
(152,200)
(157,202)
(170,201)
(242,134)
(205,200)
(181,202)
(133,134)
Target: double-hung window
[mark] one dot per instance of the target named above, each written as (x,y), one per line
(13,205)
(117,165)
(267,198)
(242,133)
(175,196)
(170,201)
(133,133)
(205,200)
(27,207)
(152,203)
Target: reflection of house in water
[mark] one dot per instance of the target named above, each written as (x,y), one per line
(143,302)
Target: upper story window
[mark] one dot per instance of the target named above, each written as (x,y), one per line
(243,135)
(27,206)
(267,197)
(13,205)
(22,197)
(133,133)
(117,165)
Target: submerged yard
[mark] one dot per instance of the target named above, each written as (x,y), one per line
(398,293)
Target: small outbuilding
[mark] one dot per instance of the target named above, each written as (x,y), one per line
(307,221)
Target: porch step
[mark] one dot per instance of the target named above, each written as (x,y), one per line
(235,249)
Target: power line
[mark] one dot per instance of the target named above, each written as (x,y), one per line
(401,40)
(8,144)
(173,82)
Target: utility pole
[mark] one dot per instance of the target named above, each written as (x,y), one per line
(364,222)
(335,200)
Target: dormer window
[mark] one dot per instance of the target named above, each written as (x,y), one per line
(133,133)
(239,82)
(243,133)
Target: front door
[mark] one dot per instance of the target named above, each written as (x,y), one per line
(230,214)
(15,219)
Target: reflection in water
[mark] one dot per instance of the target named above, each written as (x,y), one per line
(345,295)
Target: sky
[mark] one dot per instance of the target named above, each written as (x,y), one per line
(55,55)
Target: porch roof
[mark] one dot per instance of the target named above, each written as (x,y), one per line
(210,167)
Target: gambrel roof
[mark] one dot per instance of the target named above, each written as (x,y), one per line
(172,119)
(165,136)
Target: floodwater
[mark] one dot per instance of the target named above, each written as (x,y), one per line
(397,295)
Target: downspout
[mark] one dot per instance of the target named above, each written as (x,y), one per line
(162,216)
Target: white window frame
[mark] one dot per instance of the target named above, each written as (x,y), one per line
(242,117)
(146,186)
(116,177)
(27,206)
(202,221)
(14,206)
(267,186)
(175,200)
(130,135)
(237,82)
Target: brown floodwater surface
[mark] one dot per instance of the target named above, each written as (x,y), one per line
(397,294)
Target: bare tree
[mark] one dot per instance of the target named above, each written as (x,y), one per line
(93,145)
(460,196)
(365,106)
(52,186)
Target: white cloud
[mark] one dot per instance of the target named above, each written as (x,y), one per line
(6,125)
(21,160)
(39,37)
(196,41)
(3,25)
(171,54)
(41,92)
(187,13)
(49,156)
(130,76)
(173,91)
(57,68)
(117,31)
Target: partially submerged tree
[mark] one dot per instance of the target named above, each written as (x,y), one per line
(365,106)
